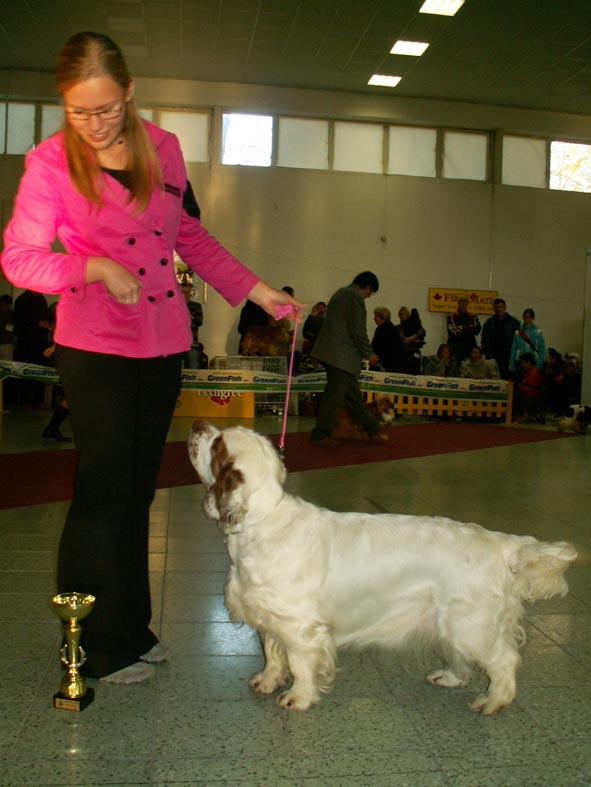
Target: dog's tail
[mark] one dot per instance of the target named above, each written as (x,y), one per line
(538,568)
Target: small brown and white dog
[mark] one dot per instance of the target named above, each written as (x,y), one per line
(348,429)
(578,421)
(311,580)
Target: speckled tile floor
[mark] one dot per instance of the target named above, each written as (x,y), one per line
(197,722)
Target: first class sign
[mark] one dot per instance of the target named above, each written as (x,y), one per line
(442,299)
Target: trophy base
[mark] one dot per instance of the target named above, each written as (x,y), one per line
(64,702)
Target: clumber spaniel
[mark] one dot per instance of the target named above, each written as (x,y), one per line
(346,428)
(578,421)
(311,580)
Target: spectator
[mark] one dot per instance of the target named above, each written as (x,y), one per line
(31,330)
(194,307)
(478,368)
(528,393)
(529,338)
(497,336)
(341,347)
(387,342)
(413,335)
(6,328)
(554,380)
(251,315)
(442,364)
(312,326)
(462,330)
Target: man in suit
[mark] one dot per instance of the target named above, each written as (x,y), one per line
(341,347)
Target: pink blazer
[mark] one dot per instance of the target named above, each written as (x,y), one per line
(47,207)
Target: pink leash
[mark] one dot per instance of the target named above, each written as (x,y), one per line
(280,312)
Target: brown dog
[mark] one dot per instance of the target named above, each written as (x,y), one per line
(348,429)
(267,339)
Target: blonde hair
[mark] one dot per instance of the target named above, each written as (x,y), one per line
(383,312)
(87,56)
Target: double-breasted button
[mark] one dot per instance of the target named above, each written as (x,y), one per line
(163,261)
(142,271)
(157,232)
(151,298)
(73,289)
(131,241)
(170,294)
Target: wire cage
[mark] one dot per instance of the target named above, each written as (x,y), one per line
(268,402)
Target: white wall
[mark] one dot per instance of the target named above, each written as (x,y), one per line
(316,230)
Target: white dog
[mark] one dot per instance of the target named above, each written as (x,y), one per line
(578,421)
(312,580)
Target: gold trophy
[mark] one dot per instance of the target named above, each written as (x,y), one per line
(73,694)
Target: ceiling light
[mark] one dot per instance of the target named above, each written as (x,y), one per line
(415,48)
(384,81)
(441,7)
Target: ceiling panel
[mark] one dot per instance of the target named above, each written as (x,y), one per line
(533,54)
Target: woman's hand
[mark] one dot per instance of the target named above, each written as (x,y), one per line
(120,283)
(268,299)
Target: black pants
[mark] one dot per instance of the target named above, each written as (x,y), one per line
(121,410)
(342,389)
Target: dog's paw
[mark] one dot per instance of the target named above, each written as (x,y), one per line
(289,700)
(266,684)
(445,678)
(487,705)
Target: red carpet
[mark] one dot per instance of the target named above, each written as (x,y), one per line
(46,476)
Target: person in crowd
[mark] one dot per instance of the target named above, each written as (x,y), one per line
(478,368)
(387,342)
(31,331)
(194,307)
(114,190)
(527,339)
(61,410)
(555,383)
(462,330)
(251,316)
(413,335)
(497,336)
(442,364)
(312,326)
(6,328)
(342,346)
(528,392)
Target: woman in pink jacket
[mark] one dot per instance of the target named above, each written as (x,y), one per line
(113,189)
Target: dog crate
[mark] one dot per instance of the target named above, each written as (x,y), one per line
(265,402)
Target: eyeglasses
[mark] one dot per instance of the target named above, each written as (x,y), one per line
(108,113)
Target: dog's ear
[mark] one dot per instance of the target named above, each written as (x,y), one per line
(228,481)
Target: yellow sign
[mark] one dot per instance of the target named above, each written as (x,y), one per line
(445,300)
(215,404)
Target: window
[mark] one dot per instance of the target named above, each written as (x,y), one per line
(192,129)
(302,143)
(247,140)
(524,162)
(570,166)
(465,155)
(358,147)
(21,128)
(412,151)
(52,119)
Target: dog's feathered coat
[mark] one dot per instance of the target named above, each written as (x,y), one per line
(312,580)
